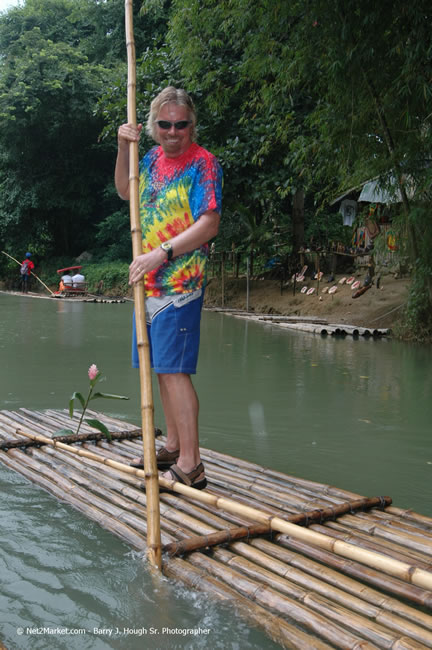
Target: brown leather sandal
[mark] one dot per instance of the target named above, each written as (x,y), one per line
(164,459)
(196,478)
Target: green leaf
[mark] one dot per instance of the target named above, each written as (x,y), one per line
(79,397)
(107,396)
(62,432)
(100,427)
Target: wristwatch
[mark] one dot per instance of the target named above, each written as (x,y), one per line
(166,246)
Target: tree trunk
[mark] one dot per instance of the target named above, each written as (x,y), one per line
(298,220)
(395,163)
(237,264)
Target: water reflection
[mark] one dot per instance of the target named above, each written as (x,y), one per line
(70,323)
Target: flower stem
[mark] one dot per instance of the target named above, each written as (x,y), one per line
(84,410)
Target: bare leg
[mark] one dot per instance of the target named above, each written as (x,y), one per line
(180,404)
(173,441)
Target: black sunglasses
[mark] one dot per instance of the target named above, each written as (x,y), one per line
(179,126)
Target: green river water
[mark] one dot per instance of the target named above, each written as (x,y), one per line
(351,413)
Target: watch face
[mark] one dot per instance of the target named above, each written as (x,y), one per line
(166,246)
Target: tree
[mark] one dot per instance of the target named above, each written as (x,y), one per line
(373,118)
(53,170)
(342,87)
(234,56)
(50,167)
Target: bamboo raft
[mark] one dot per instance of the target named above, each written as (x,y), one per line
(313,565)
(65,298)
(311,324)
(334,329)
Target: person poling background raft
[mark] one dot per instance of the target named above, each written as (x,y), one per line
(31,272)
(27,266)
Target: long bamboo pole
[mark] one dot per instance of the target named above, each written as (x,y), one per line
(33,274)
(228,535)
(150,466)
(402,570)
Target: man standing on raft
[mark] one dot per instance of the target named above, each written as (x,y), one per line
(180,196)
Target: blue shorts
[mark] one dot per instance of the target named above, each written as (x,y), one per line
(173,330)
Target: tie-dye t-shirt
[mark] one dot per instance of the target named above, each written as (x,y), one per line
(174,193)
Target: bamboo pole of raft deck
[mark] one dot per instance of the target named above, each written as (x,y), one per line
(150,467)
(33,274)
(402,570)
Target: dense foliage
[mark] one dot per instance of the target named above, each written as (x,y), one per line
(300,100)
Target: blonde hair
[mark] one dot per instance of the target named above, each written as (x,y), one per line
(170,95)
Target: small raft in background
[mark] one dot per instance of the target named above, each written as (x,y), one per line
(348,572)
(67,297)
(310,324)
(334,329)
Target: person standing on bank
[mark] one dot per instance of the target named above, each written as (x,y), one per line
(180,195)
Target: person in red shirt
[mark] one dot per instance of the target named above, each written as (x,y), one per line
(27,267)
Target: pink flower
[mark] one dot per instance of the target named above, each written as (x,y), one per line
(93,372)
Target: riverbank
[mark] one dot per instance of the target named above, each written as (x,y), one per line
(380,307)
